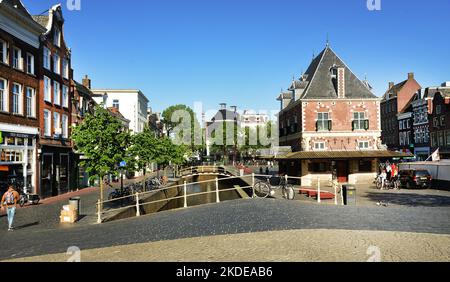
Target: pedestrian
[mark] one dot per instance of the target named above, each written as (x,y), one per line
(383,177)
(9,201)
(388,171)
(267,171)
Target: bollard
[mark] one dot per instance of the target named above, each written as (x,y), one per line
(99,214)
(185,195)
(217,191)
(253,185)
(318,190)
(138,210)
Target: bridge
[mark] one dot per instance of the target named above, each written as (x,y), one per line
(207,170)
(139,203)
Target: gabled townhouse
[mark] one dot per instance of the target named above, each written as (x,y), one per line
(19,96)
(393,102)
(332,121)
(56,156)
(440,121)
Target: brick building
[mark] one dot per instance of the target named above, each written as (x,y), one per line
(331,119)
(55,148)
(440,121)
(19,94)
(393,102)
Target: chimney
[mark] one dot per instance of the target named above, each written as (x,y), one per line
(234,108)
(86,82)
(391,84)
(223,106)
(410,76)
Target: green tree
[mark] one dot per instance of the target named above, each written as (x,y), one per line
(173,119)
(142,151)
(103,141)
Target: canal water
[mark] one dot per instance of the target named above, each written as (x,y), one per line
(204,198)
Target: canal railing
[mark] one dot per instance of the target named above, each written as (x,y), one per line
(137,200)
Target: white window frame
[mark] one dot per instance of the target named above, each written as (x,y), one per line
(363,147)
(4,58)
(47,61)
(65,68)
(4,105)
(320,146)
(65,126)
(118,104)
(56,122)
(47,123)
(17,63)
(56,64)
(19,101)
(65,97)
(56,93)
(47,89)
(360,123)
(30,65)
(31,102)
(322,124)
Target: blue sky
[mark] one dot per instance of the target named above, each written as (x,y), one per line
(243,52)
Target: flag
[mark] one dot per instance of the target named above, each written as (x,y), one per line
(436,156)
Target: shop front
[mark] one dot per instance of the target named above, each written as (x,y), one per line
(18,157)
(57,166)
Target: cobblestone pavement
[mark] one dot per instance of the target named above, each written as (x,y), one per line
(277,246)
(45,216)
(231,217)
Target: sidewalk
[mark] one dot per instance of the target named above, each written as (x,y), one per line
(45,216)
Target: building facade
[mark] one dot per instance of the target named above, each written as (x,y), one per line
(252,120)
(19,94)
(56,157)
(440,121)
(132,104)
(331,119)
(393,103)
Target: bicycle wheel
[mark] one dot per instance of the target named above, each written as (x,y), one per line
(288,192)
(262,189)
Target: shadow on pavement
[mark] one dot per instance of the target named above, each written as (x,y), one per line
(413,200)
(27,225)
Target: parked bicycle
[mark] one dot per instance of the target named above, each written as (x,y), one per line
(264,188)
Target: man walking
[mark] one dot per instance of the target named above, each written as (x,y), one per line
(9,201)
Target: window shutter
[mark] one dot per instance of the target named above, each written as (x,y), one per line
(366,124)
(353,125)
(330,125)
(317,125)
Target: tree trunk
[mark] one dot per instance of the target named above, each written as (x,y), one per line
(101,192)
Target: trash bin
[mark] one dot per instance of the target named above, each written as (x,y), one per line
(349,195)
(76,203)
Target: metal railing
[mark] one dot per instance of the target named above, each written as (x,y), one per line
(250,179)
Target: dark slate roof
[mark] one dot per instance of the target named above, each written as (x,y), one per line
(298,84)
(285,95)
(83,89)
(320,83)
(17,4)
(392,92)
(225,115)
(42,20)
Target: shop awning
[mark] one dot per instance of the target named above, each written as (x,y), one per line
(344,155)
